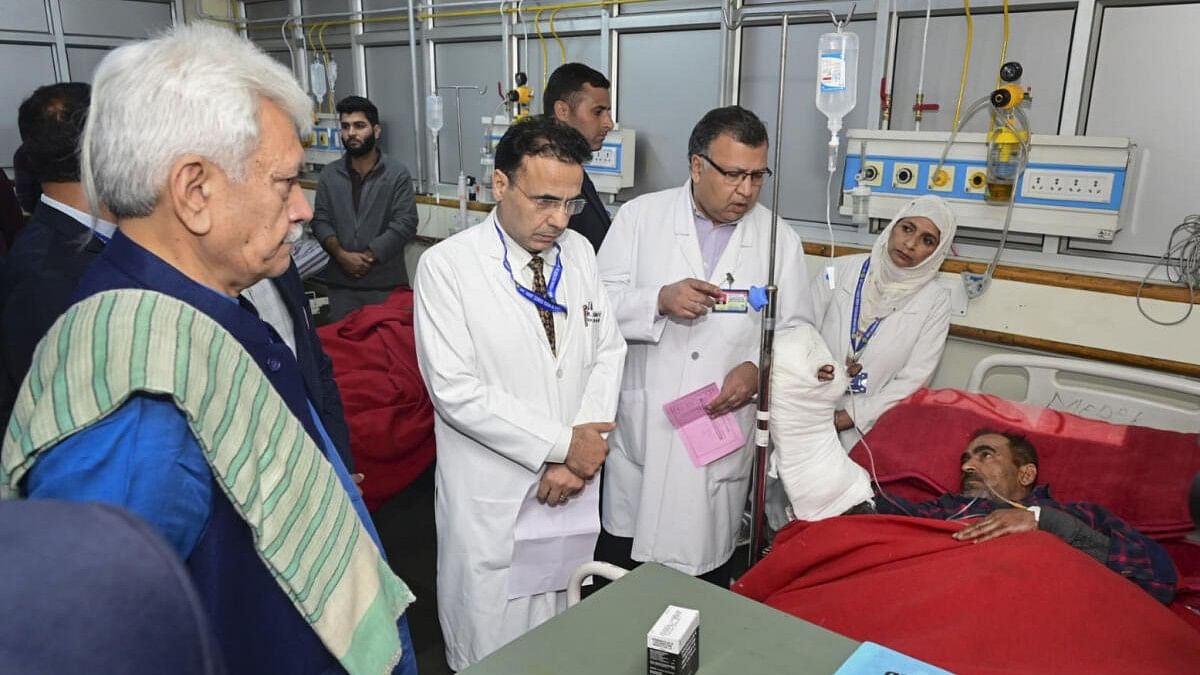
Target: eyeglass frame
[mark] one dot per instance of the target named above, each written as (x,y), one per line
(756,177)
(571,207)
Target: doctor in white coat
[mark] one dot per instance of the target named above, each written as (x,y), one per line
(668,259)
(523,367)
(887,318)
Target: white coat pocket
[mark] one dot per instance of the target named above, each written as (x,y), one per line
(631,432)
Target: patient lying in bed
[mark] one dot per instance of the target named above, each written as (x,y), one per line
(999,476)
(999,485)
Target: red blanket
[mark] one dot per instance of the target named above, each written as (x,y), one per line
(1025,603)
(1138,473)
(387,408)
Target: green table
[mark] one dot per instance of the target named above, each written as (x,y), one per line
(606,633)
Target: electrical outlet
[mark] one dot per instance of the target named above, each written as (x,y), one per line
(976,181)
(604,158)
(941,180)
(904,175)
(1074,186)
(872,173)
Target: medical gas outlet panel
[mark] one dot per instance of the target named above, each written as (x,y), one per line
(611,167)
(325,141)
(1072,186)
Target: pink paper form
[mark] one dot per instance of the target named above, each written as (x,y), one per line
(707,439)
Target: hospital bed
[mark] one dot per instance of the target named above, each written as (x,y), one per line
(1121,437)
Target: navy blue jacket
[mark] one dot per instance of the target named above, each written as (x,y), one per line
(45,265)
(257,627)
(593,222)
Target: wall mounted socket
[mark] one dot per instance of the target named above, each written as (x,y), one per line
(872,173)
(941,180)
(1073,186)
(976,181)
(904,175)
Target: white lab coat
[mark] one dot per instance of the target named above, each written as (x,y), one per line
(503,401)
(902,355)
(681,516)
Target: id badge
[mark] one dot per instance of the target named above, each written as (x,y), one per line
(737,301)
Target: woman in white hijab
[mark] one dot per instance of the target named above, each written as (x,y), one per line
(886,318)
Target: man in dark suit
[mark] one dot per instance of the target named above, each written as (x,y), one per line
(578,96)
(56,247)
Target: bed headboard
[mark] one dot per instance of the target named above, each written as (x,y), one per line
(1104,391)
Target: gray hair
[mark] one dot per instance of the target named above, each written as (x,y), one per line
(194,89)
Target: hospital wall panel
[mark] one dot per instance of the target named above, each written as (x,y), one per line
(1147,86)
(460,63)
(804,168)
(24,15)
(260,9)
(579,48)
(471,20)
(26,67)
(389,86)
(378,24)
(1038,40)
(82,62)
(667,81)
(668,5)
(335,27)
(115,18)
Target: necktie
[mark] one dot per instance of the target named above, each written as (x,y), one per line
(539,287)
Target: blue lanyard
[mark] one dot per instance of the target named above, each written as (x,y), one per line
(858,345)
(543,302)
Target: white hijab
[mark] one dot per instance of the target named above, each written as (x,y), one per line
(889,286)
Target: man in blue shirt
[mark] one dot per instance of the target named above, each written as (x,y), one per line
(205,191)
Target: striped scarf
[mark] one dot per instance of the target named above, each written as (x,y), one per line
(117,343)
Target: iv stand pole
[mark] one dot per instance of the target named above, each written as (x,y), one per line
(458,90)
(762,433)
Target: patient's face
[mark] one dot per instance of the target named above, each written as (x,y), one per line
(988,461)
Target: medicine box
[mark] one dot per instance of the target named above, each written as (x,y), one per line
(673,644)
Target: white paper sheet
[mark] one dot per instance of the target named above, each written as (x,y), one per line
(549,543)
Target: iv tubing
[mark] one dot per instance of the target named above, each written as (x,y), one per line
(962,82)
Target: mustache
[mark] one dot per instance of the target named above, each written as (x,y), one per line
(294,233)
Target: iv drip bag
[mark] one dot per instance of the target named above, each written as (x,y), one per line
(433,113)
(316,79)
(837,76)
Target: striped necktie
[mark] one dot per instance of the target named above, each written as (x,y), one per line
(539,287)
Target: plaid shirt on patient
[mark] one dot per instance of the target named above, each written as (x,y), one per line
(1130,553)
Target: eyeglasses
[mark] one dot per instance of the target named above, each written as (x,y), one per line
(736,177)
(572,207)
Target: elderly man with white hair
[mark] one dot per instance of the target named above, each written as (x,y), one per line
(162,391)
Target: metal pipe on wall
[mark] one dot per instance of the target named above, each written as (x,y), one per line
(416,95)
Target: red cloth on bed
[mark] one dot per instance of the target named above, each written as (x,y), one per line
(1141,474)
(1024,603)
(387,408)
